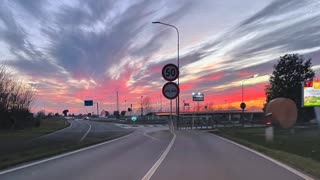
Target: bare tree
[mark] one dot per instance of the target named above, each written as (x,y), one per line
(146,104)
(15,99)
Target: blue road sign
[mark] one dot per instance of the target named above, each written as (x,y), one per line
(88,103)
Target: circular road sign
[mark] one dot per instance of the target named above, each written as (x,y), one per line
(133,118)
(243,105)
(170,72)
(170,90)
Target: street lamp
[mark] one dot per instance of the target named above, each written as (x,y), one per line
(141,107)
(178,64)
(243,105)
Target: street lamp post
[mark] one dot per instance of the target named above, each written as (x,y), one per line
(178,64)
(242,101)
(141,107)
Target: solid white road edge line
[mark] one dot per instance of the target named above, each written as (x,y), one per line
(85,135)
(157,164)
(62,155)
(294,171)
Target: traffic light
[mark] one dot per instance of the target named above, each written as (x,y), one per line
(129,109)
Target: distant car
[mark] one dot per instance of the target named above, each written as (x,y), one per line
(86,118)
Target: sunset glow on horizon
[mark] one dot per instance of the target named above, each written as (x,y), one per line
(71,51)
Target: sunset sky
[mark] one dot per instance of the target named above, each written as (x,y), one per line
(68,51)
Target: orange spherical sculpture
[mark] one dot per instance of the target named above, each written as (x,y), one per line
(284,111)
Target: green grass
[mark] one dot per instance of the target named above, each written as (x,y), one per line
(300,149)
(47,126)
(15,138)
(21,150)
(45,151)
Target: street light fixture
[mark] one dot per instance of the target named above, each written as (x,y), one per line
(254,76)
(178,64)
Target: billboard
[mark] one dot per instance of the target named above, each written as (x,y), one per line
(88,102)
(197,96)
(311,94)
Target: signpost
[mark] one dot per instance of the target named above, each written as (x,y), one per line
(170,72)
(170,90)
(243,107)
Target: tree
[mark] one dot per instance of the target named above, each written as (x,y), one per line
(116,114)
(146,104)
(65,112)
(15,101)
(41,114)
(50,114)
(285,81)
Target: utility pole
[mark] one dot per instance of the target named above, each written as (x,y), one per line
(141,107)
(117,101)
(97,109)
(161,103)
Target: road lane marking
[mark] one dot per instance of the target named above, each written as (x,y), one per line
(148,136)
(62,155)
(157,164)
(85,135)
(54,132)
(294,171)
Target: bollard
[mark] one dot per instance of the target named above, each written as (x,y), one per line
(269,134)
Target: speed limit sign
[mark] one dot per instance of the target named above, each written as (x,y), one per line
(170,72)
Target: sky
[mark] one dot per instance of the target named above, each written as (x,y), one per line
(68,51)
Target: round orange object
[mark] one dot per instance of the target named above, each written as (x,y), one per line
(284,111)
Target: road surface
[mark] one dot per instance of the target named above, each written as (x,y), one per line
(194,155)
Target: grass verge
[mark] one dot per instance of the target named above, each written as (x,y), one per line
(47,126)
(295,149)
(42,152)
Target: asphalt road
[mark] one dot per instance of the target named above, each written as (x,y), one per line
(194,155)
(80,130)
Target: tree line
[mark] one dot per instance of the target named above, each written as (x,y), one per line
(15,101)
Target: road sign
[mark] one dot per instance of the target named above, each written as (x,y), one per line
(170,90)
(243,105)
(170,72)
(88,103)
(134,118)
(197,97)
